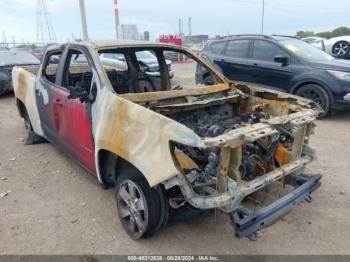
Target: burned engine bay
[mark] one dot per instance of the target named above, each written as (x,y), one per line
(258,157)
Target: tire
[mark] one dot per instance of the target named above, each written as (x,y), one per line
(32,138)
(341,49)
(317,94)
(142,210)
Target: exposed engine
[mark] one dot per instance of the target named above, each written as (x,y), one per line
(257,158)
(216,120)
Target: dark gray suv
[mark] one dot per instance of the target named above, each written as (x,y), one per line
(284,63)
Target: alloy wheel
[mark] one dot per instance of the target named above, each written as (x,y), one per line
(132,209)
(312,95)
(341,48)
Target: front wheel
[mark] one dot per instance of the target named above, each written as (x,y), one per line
(141,208)
(341,49)
(317,94)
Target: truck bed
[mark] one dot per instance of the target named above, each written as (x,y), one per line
(33,69)
(23,81)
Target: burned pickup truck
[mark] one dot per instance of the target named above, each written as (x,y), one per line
(167,144)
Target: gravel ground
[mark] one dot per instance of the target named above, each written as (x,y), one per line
(54,207)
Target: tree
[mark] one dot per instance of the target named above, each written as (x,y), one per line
(32,46)
(340,31)
(325,34)
(302,34)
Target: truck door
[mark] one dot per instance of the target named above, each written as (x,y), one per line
(77,130)
(67,122)
(49,96)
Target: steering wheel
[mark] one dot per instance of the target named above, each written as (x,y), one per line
(142,84)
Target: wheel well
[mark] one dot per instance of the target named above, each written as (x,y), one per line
(21,108)
(296,88)
(110,166)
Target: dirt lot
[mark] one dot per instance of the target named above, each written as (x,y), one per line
(54,207)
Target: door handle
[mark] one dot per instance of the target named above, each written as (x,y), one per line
(58,102)
(255,64)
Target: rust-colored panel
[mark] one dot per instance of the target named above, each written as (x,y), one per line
(282,155)
(184,161)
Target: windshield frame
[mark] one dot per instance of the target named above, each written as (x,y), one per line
(221,80)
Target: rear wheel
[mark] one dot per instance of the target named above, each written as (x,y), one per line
(341,49)
(317,94)
(142,209)
(32,137)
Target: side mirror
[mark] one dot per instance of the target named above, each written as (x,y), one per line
(283,60)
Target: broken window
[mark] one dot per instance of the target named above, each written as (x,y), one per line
(182,70)
(51,66)
(78,72)
(114,60)
(140,70)
(148,63)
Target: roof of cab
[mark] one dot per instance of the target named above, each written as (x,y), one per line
(110,44)
(102,44)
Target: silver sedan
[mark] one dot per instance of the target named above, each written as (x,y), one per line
(336,46)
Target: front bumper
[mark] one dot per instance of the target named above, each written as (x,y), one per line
(230,200)
(246,223)
(227,190)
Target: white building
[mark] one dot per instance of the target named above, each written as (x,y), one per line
(128,32)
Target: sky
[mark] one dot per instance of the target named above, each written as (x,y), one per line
(213,17)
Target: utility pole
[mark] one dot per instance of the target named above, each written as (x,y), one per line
(4,37)
(44,29)
(83,19)
(189,26)
(116,15)
(262,17)
(181,27)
